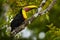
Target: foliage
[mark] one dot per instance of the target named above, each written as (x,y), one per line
(48,23)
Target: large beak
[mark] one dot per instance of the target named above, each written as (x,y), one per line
(27,8)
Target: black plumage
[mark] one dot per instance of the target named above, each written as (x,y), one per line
(20,17)
(17,21)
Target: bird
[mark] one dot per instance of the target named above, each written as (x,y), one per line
(21,16)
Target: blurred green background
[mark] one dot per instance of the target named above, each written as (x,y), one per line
(44,27)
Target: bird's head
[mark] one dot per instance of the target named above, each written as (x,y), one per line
(28,8)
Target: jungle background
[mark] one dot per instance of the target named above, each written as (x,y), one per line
(45,27)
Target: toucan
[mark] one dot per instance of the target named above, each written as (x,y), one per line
(21,16)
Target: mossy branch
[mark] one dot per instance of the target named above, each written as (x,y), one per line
(33,17)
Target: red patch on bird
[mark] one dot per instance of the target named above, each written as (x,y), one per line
(26,9)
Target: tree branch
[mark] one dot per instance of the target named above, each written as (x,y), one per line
(25,23)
